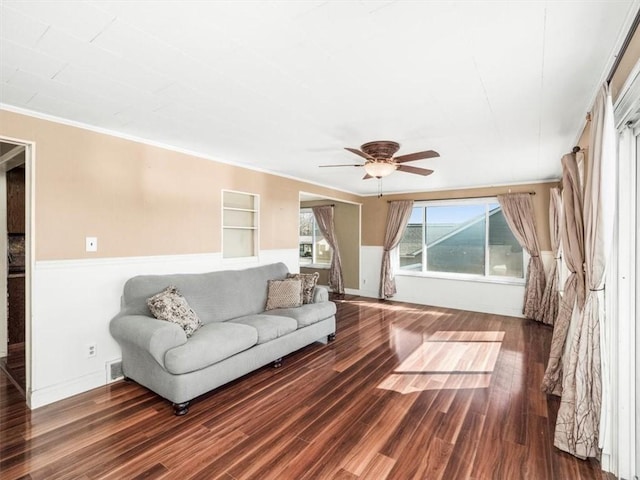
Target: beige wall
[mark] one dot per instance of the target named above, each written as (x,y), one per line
(139,199)
(374,210)
(347,222)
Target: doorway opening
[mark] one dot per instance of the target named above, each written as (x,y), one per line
(14,263)
(315,252)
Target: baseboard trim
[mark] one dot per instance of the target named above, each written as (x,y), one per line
(53,393)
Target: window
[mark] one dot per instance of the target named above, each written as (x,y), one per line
(239,225)
(314,249)
(468,238)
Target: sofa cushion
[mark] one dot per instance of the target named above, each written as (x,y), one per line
(307,314)
(309,281)
(210,344)
(171,306)
(284,294)
(320,294)
(269,327)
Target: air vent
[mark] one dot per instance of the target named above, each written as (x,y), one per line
(114,370)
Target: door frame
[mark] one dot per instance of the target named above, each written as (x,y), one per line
(637,324)
(29,183)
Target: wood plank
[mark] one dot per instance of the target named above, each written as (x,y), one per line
(463,456)
(363,454)
(379,468)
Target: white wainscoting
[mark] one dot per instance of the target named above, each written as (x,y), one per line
(495,298)
(74,300)
(370,264)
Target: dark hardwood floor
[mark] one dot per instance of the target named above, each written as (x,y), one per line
(405,392)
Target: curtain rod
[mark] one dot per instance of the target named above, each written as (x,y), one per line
(455,198)
(625,45)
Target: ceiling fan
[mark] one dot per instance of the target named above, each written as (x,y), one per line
(380,161)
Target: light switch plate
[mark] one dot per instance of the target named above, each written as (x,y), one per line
(92,244)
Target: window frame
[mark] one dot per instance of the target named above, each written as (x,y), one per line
(485,278)
(313,263)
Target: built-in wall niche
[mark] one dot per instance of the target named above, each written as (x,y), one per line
(240,220)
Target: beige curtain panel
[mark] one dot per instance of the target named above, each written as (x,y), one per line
(578,423)
(397,219)
(572,235)
(551,296)
(518,212)
(324,219)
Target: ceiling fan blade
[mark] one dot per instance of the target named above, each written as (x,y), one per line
(343,165)
(367,177)
(358,152)
(418,171)
(412,157)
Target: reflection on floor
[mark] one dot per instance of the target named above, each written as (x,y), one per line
(14,366)
(447,360)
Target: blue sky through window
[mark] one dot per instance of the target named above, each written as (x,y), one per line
(454,213)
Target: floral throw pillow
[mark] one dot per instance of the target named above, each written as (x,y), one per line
(284,294)
(171,306)
(309,281)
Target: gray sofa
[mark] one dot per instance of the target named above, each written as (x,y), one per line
(236,337)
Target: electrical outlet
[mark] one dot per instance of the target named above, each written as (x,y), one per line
(91,244)
(92,350)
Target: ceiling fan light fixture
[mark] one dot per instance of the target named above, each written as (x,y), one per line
(380,169)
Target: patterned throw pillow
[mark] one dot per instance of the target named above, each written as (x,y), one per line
(309,281)
(284,294)
(171,306)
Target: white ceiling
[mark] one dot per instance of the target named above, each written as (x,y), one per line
(499,88)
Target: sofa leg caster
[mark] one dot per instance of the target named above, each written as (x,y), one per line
(331,337)
(180,409)
(277,363)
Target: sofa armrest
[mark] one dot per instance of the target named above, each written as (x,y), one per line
(150,334)
(320,294)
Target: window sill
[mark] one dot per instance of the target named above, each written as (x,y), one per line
(315,266)
(463,278)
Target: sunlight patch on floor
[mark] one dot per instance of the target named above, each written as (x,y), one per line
(448,360)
